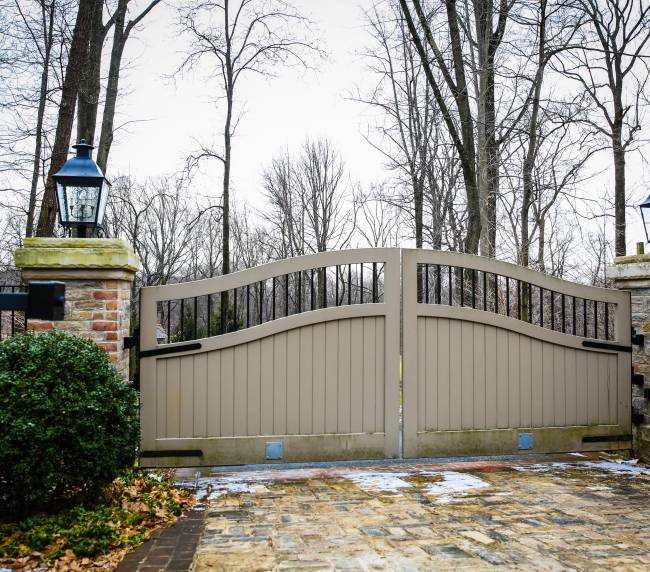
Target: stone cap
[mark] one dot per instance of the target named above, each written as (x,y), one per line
(630,268)
(74,255)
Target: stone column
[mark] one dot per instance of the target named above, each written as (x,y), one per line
(98,275)
(632,273)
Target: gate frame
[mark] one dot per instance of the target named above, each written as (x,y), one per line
(505,441)
(250,449)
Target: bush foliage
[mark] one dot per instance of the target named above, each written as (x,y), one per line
(68,423)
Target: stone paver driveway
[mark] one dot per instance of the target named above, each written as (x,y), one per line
(583,513)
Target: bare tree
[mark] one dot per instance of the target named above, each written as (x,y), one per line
(239,37)
(610,63)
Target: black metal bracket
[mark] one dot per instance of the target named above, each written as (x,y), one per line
(637,338)
(605,438)
(130,342)
(170,350)
(646,393)
(42,301)
(638,379)
(638,418)
(172,453)
(606,346)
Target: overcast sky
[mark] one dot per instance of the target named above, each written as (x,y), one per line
(171,114)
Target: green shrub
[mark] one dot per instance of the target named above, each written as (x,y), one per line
(68,423)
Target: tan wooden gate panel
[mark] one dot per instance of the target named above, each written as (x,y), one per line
(475,379)
(323,383)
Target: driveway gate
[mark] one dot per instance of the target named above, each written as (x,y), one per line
(298,360)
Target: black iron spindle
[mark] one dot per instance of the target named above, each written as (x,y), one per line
(374,282)
(584,317)
(311,291)
(484,291)
(196,318)
(169,321)
(273,294)
(462,287)
(541,307)
(324,304)
(451,291)
(182,319)
(596,319)
(299,292)
(530,303)
(286,295)
(234,311)
(552,309)
(426,283)
(438,285)
(473,288)
(496,293)
(349,284)
(563,314)
(518,299)
(606,321)
(573,315)
(248,305)
(261,302)
(336,287)
(507,296)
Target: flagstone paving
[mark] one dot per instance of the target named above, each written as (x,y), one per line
(580,514)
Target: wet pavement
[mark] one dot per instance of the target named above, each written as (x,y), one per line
(576,513)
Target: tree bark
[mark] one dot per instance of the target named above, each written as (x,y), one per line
(618,152)
(78,49)
(89,84)
(48,30)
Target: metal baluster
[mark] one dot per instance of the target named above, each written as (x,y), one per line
(261,302)
(196,318)
(507,296)
(374,282)
(426,283)
(324,304)
(299,292)
(606,321)
(518,299)
(361,285)
(169,321)
(234,310)
(573,315)
(462,287)
(336,288)
(552,309)
(248,305)
(451,291)
(182,319)
(541,307)
(530,303)
(473,288)
(596,319)
(13,317)
(563,314)
(484,291)
(273,303)
(496,294)
(584,317)
(286,295)
(438,284)
(311,291)
(349,284)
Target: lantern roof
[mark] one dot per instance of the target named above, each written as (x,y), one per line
(81,166)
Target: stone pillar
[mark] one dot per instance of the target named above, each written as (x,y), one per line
(632,273)
(98,275)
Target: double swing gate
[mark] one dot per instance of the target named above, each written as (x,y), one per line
(381,353)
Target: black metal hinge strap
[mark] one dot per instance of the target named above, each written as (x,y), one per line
(606,346)
(172,453)
(170,350)
(605,438)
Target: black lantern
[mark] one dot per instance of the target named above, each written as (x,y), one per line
(81,193)
(644,207)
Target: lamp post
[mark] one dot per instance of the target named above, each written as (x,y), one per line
(644,207)
(81,193)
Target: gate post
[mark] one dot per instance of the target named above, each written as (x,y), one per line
(632,273)
(98,275)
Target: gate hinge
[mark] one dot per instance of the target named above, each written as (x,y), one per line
(637,379)
(637,338)
(130,342)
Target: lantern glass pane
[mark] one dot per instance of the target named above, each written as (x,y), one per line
(64,210)
(82,203)
(645,215)
(103,201)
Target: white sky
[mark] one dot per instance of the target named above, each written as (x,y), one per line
(280,112)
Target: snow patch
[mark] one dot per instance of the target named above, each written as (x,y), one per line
(453,485)
(378,481)
(615,467)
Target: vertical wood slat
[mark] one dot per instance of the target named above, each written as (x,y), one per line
(293,382)
(514,380)
(356,376)
(318,376)
(490,377)
(267,383)
(173,397)
(537,389)
(467,373)
(525,382)
(228,391)
(427,363)
(214,395)
(280,413)
(380,373)
(479,376)
(331,377)
(247,389)
(502,378)
(344,365)
(559,386)
(571,385)
(444,417)
(200,396)
(548,387)
(582,389)
(159,386)
(369,375)
(306,379)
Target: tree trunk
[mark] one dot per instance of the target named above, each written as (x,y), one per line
(89,84)
(112,86)
(78,48)
(42,99)
(619,189)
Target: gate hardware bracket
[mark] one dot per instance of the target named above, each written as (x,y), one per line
(637,379)
(130,342)
(637,418)
(605,438)
(170,350)
(606,346)
(172,453)
(637,338)
(646,393)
